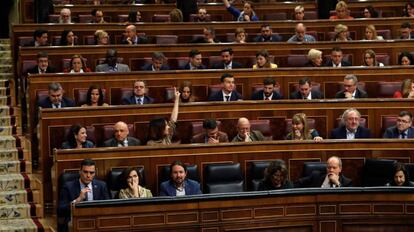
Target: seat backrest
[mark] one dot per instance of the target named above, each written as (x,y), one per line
(223,178)
(28,64)
(387,89)
(160,18)
(377,172)
(66,177)
(362,122)
(386,34)
(85,18)
(256,174)
(309,167)
(410,169)
(25,40)
(54,18)
(275,16)
(214,60)
(383,58)
(41,95)
(388,121)
(108,131)
(114,180)
(297,60)
(262,125)
(122,18)
(89,40)
(311,15)
(192,173)
(166,39)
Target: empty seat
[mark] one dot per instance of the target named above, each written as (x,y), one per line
(166,39)
(262,125)
(122,18)
(311,15)
(275,16)
(387,89)
(28,64)
(383,58)
(117,94)
(86,18)
(89,40)
(54,18)
(387,121)
(410,169)
(230,37)
(160,18)
(214,60)
(115,180)
(386,34)
(223,178)
(256,175)
(309,167)
(25,41)
(377,172)
(297,60)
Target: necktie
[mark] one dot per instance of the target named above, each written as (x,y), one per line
(42,71)
(227,98)
(403,135)
(86,196)
(56,106)
(139,101)
(267,99)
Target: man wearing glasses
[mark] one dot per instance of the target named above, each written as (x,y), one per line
(351,90)
(403,128)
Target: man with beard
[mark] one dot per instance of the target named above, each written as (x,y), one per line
(179,185)
(227,61)
(269,91)
(267,35)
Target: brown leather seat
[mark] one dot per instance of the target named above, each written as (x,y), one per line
(387,89)
(160,18)
(297,60)
(262,125)
(166,39)
(275,16)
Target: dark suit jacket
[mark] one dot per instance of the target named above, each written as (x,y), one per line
(272,38)
(191,187)
(316,180)
(203,40)
(359,94)
(340,133)
(218,96)
(112,142)
(259,95)
(202,138)
(393,133)
(343,64)
(221,65)
(46,103)
(187,7)
(254,135)
(131,100)
(148,67)
(35,70)
(187,67)
(140,40)
(70,191)
(87,144)
(315,95)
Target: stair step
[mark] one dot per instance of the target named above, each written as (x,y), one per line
(4,41)
(6,60)
(4,100)
(4,91)
(7,142)
(5,54)
(15,211)
(9,154)
(7,130)
(14,181)
(6,68)
(6,121)
(5,77)
(15,166)
(22,225)
(19,197)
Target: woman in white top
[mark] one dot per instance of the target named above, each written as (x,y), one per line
(370,59)
(371,33)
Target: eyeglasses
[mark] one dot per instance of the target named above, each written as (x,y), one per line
(348,86)
(403,121)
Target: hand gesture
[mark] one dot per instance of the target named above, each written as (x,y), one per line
(212,140)
(247,136)
(411,94)
(246,18)
(348,95)
(133,184)
(298,134)
(176,94)
(82,194)
(333,178)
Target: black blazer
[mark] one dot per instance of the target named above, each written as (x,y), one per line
(131,100)
(112,142)
(35,70)
(343,64)
(316,180)
(361,133)
(272,38)
(259,95)
(393,133)
(187,67)
(221,65)
(315,95)
(218,96)
(46,103)
(359,94)
(148,67)
(140,40)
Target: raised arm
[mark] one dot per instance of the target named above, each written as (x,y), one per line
(226,3)
(174,113)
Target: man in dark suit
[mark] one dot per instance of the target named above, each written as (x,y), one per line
(42,64)
(55,98)
(121,137)
(269,91)
(305,91)
(403,128)
(336,60)
(405,31)
(138,97)
(351,90)
(179,185)
(131,36)
(228,90)
(211,134)
(267,35)
(40,38)
(350,128)
(209,36)
(332,179)
(158,63)
(194,62)
(244,134)
(86,188)
(227,61)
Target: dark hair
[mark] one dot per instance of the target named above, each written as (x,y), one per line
(274,166)
(42,55)
(87,162)
(265,25)
(406,54)
(224,76)
(93,12)
(211,30)
(157,128)
(336,49)
(372,11)
(125,175)
(401,167)
(405,11)
(158,56)
(265,54)
(63,39)
(193,53)
(38,33)
(181,89)
(305,80)
(88,95)
(132,17)
(179,163)
(406,25)
(405,113)
(209,124)
(229,50)
(269,81)
(74,130)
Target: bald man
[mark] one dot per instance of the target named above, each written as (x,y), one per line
(333,177)
(244,134)
(121,138)
(300,35)
(131,37)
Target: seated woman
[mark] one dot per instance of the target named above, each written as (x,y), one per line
(77,138)
(314,58)
(300,129)
(263,60)
(275,177)
(187,92)
(94,97)
(370,59)
(341,33)
(370,12)
(342,11)
(371,33)
(401,177)
(78,65)
(405,58)
(161,131)
(130,179)
(134,17)
(67,38)
(407,89)
(240,35)
(246,15)
(101,37)
(408,10)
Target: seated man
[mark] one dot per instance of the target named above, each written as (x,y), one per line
(228,90)
(202,16)
(97,16)
(211,134)
(194,61)
(244,134)
(138,96)
(121,137)
(305,91)
(158,63)
(40,37)
(350,128)
(269,91)
(333,178)
(405,31)
(86,188)
(209,36)
(336,60)
(131,37)
(42,64)
(403,128)
(179,184)
(351,90)
(266,35)
(300,35)
(111,63)
(56,98)
(64,16)
(227,61)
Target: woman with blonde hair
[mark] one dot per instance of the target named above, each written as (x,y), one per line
(78,65)
(342,11)
(101,37)
(371,33)
(263,60)
(314,58)
(176,15)
(407,89)
(341,33)
(301,131)
(370,59)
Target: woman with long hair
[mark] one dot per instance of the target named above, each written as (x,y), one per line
(300,129)
(94,97)
(186,90)
(275,177)
(370,59)
(130,180)
(77,138)
(263,60)
(400,177)
(407,89)
(67,38)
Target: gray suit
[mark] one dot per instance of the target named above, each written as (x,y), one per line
(107,68)
(112,142)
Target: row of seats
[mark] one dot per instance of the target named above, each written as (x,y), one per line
(228,177)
